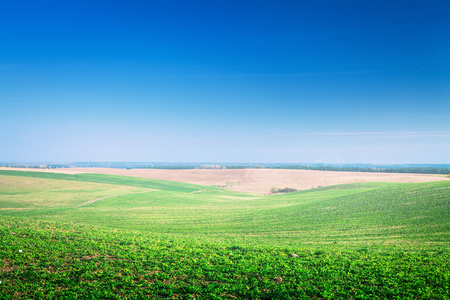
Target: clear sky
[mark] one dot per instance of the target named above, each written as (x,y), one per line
(225,81)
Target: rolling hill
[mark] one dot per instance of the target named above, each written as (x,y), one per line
(108,236)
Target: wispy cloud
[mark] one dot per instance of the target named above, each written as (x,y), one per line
(385,134)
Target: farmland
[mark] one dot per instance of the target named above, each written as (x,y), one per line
(259,181)
(110,236)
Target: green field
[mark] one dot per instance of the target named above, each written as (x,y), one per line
(103,236)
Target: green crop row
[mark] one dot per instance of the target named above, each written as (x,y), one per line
(48,260)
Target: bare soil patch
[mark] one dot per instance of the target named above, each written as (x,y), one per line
(253,180)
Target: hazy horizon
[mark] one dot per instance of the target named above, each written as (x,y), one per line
(206,164)
(237,82)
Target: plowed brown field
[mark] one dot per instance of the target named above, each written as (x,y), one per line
(253,180)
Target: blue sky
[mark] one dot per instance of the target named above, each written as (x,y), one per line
(225,81)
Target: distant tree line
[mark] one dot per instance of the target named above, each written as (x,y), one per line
(35,166)
(165,167)
(416,170)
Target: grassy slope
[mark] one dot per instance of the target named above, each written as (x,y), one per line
(29,194)
(109,179)
(214,243)
(354,215)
